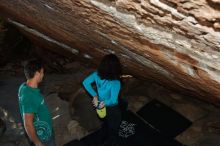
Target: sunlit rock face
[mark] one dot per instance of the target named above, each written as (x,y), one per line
(174,42)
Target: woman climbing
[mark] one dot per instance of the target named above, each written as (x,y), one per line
(108,85)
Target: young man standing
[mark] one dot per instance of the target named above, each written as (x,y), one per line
(35,114)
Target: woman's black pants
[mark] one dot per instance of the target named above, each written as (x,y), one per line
(112,123)
(108,134)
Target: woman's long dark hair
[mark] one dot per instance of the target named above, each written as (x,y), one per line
(110,68)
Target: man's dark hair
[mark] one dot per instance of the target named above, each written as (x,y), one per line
(110,68)
(31,67)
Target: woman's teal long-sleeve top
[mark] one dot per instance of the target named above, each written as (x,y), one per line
(108,90)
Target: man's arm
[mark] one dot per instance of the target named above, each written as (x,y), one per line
(29,127)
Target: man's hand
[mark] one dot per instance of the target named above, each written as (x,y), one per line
(95,101)
(38,144)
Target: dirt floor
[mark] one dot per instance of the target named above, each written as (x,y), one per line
(71,107)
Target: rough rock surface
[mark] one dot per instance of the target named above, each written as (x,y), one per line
(205,128)
(174,42)
(76,131)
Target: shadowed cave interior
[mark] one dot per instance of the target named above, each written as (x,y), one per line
(164,115)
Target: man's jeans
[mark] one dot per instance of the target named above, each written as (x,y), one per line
(51,142)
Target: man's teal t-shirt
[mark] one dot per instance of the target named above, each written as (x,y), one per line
(32,101)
